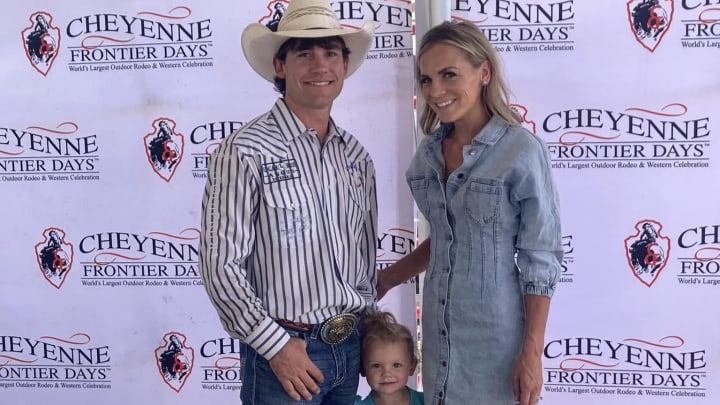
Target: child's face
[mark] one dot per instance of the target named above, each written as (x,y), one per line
(387,366)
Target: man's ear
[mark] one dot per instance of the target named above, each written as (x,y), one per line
(279,67)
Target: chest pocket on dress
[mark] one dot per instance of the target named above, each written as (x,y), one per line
(482,200)
(289,214)
(419,189)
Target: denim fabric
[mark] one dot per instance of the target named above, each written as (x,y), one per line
(340,365)
(495,235)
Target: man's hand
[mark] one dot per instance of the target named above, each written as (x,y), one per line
(297,374)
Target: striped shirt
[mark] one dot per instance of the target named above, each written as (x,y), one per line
(289,228)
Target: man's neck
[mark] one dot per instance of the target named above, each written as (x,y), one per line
(317,119)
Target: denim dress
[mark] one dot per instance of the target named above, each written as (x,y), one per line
(495,236)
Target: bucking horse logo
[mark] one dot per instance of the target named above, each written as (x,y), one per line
(54,256)
(650,20)
(175,360)
(41,41)
(647,251)
(164,148)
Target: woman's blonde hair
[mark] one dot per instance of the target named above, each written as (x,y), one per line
(477,49)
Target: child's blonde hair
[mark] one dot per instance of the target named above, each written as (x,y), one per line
(382,326)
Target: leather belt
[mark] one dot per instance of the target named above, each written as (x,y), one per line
(332,331)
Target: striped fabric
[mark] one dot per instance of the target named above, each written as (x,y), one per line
(289,228)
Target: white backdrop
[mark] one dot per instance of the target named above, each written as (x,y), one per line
(626,94)
(99,239)
(100,227)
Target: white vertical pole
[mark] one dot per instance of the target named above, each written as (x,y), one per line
(428,13)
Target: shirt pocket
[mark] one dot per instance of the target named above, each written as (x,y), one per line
(288,219)
(419,188)
(355,206)
(482,200)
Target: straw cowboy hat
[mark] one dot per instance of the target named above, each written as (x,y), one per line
(303,19)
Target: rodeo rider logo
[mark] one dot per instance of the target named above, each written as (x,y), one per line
(174,359)
(522,113)
(650,21)
(54,256)
(647,251)
(41,41)
(164,148)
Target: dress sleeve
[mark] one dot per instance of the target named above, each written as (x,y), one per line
(539,241)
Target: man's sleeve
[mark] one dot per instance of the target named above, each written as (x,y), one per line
(230,206)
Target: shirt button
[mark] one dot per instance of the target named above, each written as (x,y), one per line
(442,301)
(473,152)
(444,363)
(460,176)
(443,332)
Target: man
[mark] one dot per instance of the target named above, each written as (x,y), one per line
(289,222)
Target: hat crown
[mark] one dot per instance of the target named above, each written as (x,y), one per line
(308,15)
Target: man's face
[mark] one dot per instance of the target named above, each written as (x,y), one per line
(313,77)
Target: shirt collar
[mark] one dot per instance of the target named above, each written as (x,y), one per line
(291,127)
(489,135)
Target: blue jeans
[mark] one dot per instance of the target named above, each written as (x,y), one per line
(339,363)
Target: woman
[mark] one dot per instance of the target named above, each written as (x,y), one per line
(485,185)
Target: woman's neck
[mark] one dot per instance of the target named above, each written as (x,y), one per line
(465,130)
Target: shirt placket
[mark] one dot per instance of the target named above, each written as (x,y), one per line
(435,158)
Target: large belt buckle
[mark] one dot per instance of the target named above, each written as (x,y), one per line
(338,328)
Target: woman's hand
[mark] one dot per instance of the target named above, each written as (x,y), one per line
(527,378)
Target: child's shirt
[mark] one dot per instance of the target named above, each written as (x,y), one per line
(416,398)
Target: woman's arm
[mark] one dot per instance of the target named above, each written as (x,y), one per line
(402,270)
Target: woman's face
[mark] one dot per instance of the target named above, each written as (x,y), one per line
(451,85)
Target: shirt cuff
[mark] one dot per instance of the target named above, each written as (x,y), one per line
(268,338)
(543,290)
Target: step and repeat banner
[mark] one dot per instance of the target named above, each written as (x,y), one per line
(627,96)
(108,113)
(101,299)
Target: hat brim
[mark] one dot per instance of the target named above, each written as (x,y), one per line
(260,45)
